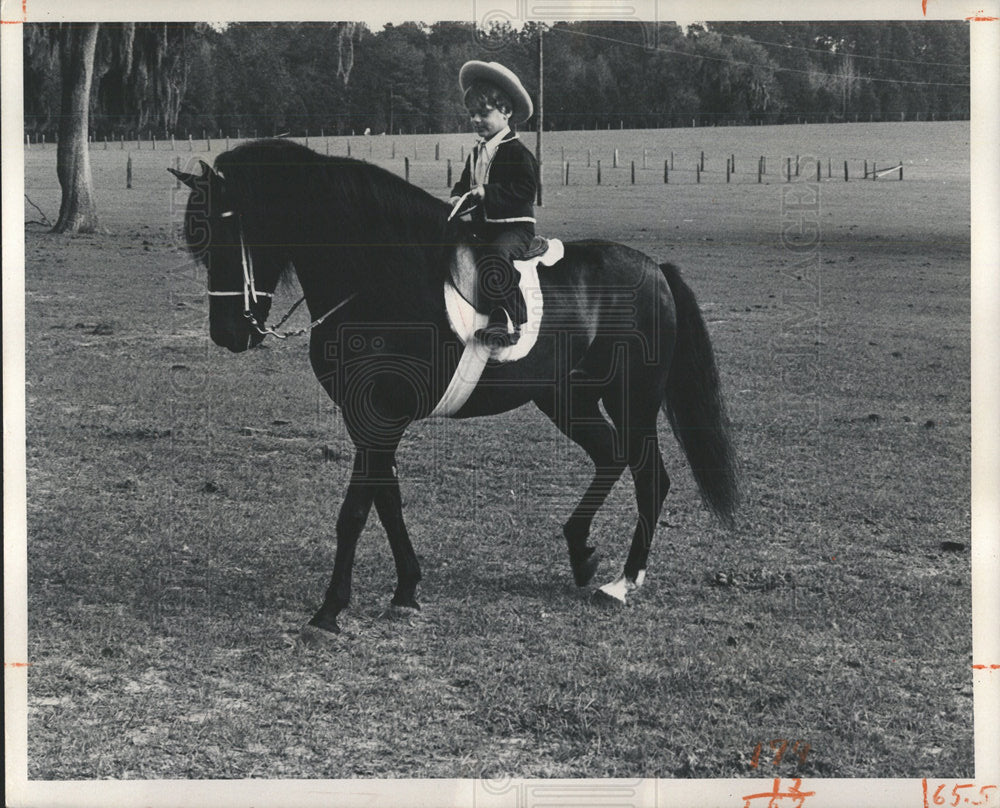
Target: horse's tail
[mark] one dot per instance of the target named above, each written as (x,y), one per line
(693,403)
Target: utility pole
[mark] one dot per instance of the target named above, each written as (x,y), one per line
(539,119)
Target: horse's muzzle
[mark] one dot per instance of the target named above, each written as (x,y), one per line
(228,326)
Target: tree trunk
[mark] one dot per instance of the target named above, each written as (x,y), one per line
(78,212)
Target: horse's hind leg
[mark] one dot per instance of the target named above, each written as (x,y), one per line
(651,486)
(585,424)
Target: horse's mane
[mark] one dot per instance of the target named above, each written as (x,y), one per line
(382,233)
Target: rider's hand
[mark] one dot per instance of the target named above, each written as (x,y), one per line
(479,192)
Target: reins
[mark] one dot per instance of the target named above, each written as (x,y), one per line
(250,294)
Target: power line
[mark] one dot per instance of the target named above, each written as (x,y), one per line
(773,68)
(836,53)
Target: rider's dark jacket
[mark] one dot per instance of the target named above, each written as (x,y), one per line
(510,185)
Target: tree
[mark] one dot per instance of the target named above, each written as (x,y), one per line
(144,68)
(77,211)
(141,73)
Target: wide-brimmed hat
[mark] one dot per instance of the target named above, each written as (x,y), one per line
(502,77)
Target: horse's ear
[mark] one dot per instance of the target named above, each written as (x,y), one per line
(208,171)
(190,180)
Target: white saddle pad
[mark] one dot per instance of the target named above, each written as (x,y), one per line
(465,321)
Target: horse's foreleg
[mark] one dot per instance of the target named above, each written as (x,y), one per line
(350,522)
(389,505)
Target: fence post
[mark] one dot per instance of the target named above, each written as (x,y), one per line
(728,167)
(666,172)
(845,171)
(819,171)
(874,171)
(702,165)
(671,160)
(348,148)
(208,144)
(177,167)
(633,172)
(598,172)
(450,183)
(900,170)
(697,173)
(406,163)
(760,170)
(566,173)
(866,169)
(138,142)
(796,165)
(614,161)
(788,172)
(732,159)
(437,151)
(588,158)
(190,142)
(153,138)
(128,171)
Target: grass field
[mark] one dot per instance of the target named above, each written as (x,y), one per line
(181,501)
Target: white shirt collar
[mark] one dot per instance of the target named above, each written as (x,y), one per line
(493,142)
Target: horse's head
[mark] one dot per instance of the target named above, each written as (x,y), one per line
(239,286)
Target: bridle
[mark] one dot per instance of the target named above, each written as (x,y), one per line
(250,294)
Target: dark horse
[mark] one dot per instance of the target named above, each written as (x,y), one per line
(372,254)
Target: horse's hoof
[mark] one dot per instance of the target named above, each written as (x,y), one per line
(607,600)
(314,635)
(402,611)
(615,593)
(584,571)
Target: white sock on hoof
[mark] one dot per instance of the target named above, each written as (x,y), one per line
(621,586)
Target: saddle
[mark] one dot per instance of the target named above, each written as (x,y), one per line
(538,246)
(465,321)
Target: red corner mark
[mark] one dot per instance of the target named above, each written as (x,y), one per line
(17,664)
(793,792)
(923,5)
(977,16)
(24,15)
(986,667)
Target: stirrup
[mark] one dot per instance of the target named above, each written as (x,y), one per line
(495,334)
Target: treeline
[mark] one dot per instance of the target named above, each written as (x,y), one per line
(341,78)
